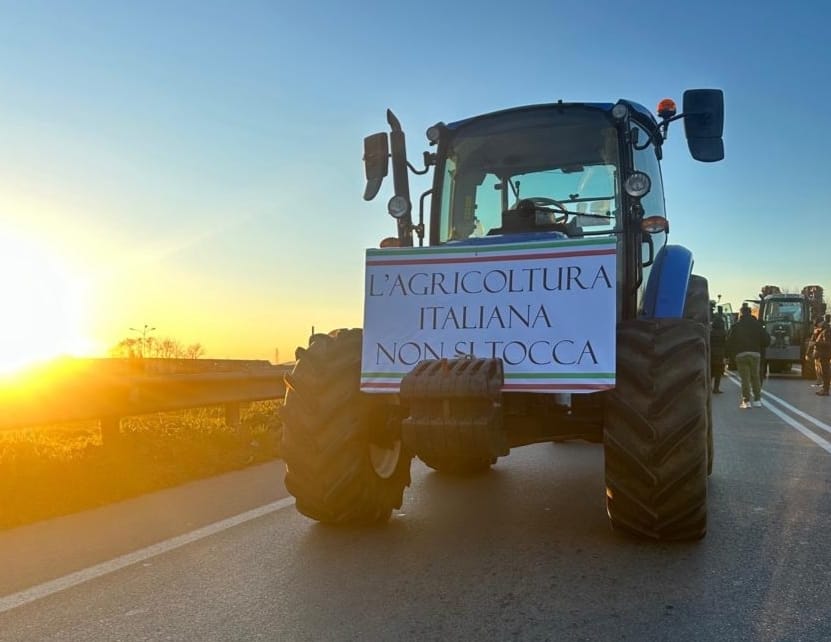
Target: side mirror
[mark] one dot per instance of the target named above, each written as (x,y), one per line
(704,123)
(376,163)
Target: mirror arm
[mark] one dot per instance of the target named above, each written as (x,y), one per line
(418,172)
(419,229)
(663,126)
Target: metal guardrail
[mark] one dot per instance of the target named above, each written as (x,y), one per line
(109,389)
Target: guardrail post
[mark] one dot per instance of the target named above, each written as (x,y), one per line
(110,430)
(232,419)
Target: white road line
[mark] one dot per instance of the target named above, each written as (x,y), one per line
(793,423)
(819,441)
(797,411)
(40,591)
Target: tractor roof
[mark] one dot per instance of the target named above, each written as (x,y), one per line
(639,109)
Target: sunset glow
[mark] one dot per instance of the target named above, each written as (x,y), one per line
(41,306)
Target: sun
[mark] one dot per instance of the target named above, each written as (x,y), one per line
(41,306)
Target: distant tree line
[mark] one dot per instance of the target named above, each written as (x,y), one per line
(155,348)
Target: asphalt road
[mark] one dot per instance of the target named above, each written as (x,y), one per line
(524,552)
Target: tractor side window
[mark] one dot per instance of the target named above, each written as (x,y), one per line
(471,201)
(449,186)
(646,161)
(488,206)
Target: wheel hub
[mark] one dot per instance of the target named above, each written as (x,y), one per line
(384,459)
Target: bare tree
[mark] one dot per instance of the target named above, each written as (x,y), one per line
(152,347)
(167,349)
(128,348)
(194,351)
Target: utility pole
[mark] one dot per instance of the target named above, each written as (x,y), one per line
(147,328)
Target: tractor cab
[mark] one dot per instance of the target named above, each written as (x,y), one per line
(565,170)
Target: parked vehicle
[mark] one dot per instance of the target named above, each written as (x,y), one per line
(546,306)
(789,319)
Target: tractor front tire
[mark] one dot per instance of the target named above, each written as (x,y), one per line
(655,430)
(345,462)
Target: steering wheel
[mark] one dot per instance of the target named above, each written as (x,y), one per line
(545,203)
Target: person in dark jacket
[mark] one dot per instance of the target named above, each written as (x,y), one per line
(811,353)
(822,349)
(746,341)
(718,338)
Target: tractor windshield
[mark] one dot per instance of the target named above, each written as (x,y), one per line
(564,159)
(783,311)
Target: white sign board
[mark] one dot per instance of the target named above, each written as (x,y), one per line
(546,308)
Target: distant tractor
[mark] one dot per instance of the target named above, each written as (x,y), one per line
(546,306)
(789,319)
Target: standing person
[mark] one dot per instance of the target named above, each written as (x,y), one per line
(812,353)
(718,338)
(822,349)
(746,341)
(763,364)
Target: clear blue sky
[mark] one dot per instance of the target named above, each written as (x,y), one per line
(197,165)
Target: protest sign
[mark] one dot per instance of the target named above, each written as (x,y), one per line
(546,308)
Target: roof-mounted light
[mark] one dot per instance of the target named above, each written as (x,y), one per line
(654,225)
(434,133)
(667,108)
(620,111)
(637,184)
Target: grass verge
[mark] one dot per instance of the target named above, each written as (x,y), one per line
(55,470)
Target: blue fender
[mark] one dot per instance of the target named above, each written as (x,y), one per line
(666,287)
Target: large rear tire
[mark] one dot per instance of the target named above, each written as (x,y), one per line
(697,307)
(697,303)
(345,462)
(655,431)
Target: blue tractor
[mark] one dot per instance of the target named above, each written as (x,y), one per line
(533,185)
